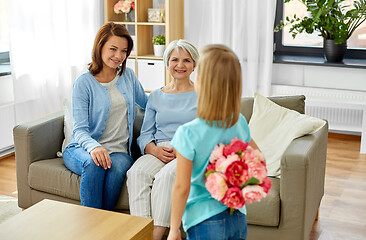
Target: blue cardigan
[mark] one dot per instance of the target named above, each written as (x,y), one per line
(91,104)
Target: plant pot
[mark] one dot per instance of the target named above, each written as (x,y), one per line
(334,52)
(159,50)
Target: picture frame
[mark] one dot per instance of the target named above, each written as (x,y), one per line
(155,15)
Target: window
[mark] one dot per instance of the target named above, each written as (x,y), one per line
(4,33)
(311,44)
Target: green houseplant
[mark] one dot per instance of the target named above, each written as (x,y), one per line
(333,19)
(159,45)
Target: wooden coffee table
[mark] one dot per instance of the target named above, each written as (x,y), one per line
(57,220)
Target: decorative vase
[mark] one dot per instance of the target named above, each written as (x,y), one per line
(127,17)
(334,53)
(159,50)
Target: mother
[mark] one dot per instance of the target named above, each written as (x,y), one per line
(103,107)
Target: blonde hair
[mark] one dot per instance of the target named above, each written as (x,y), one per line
(219,79)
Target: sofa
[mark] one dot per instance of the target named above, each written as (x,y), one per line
(288,212)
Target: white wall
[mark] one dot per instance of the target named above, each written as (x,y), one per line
(340,84)
(7,115)
(320,76)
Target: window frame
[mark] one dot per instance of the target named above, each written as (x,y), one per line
(4,57)
(280,50)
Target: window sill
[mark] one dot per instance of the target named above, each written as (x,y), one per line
(318,61)
(5,69)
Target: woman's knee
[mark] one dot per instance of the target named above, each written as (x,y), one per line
(146,167)
(90,166)
(120,163)
(166,175)
(77,159)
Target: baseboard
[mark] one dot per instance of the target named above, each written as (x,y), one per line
(4,152)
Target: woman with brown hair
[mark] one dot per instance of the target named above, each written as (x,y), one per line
(103,108)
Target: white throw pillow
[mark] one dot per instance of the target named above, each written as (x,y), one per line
(274,127)
(68,124)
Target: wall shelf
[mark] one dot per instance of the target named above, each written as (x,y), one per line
(172,28)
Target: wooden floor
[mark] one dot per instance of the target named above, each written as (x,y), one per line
(342,213)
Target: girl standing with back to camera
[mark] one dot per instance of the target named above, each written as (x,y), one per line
(218,86)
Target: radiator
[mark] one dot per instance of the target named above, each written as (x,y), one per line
(339,119)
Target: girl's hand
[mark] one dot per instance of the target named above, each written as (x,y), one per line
(174,235)
(101,157)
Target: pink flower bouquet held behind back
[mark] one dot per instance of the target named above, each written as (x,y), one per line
(237,174)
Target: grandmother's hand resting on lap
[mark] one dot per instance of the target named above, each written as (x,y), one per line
(164,154)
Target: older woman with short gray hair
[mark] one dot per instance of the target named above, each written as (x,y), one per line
(150,179)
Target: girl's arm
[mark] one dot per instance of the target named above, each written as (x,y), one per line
(180,194)
(253,145)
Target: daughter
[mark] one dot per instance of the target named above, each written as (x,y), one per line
(218,86)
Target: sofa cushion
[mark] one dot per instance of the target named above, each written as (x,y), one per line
(267,211)
(273,128)
(296,103)
(51,176)
(68,124)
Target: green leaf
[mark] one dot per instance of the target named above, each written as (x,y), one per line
(251,181)
(208,173)
(330,17)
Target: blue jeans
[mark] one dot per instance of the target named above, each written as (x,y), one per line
(99,188)
(220,226)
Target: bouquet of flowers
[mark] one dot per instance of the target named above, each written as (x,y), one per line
(124,6)
(237,174)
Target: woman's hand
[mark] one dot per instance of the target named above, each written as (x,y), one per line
(101,157)
(164,154)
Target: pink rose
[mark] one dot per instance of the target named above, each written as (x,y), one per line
(252,155)
(216,153)
(210,167)
(237,173)
(253,193)
(222,163)
(266,185)
(133,5)
(257,170)
(125,9)
(216,185)
(236,146)
(234,198)
(118,6)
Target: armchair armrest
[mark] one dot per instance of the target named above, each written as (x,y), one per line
(302,182)
(34,141)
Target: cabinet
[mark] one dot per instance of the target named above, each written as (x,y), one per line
(143,31)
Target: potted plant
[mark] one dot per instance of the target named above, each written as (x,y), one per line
(159,45)
(333,19)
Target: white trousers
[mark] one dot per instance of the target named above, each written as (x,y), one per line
(150,183)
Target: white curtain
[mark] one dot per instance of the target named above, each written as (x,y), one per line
(50,45)
(246,26)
